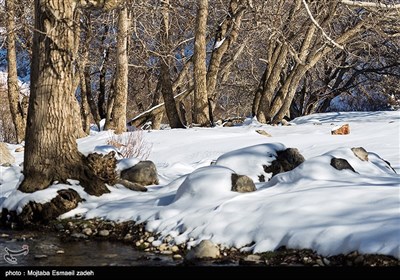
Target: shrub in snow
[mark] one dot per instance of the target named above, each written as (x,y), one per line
(131,144)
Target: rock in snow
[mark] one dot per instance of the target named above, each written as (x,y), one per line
(341,130)
(205,249)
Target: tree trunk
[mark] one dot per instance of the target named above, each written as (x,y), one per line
(85,80)
(157,117)
(166,85)
(17,113)
(89,94)
(51,152)
(85,110)
(168,95)
(101,101)
(118,116)
(225,37)
(200,115)
(271,83)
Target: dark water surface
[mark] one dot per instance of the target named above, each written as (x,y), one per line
(47,249)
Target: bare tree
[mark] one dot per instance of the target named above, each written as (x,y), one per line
(201,115)
(165,77)
(298,42)
(16,109)
(51,152)
(120,94)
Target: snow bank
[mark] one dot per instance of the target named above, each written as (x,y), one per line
(313,206)
(250,160)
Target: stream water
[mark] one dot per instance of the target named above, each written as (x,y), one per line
(47,249)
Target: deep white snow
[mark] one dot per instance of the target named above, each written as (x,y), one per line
(313,206)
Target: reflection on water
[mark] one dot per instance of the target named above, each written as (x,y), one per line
(49,250)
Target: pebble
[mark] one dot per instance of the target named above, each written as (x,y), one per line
(156,243)
(163,247)
(320,262)
(59,227)
(38,257)
(175,249)
(138,243)
(104,233)
(87,231)
(60,252)
(326,261)
(78,235)
(128,237)
(166,252)
(177,257)
(150,239)
(252,259)
(146,244)
(4,235)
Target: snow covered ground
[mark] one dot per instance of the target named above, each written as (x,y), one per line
(313,206)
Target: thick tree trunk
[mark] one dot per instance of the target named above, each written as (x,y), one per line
(51,152)
(16,110)
(118,116)
(200,115)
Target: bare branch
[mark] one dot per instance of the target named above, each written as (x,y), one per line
(319,27)
(364,4)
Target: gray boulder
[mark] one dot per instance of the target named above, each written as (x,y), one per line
(143,173)
(341,164)
(205,249)
(6,158)
(286,160)
(361,153)
(132,186)
(242,183)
